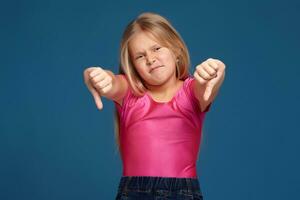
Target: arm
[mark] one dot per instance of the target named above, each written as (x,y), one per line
(119,88)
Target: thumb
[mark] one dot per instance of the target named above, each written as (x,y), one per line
(90,87)
(96,95)
(207,93)
(97,98)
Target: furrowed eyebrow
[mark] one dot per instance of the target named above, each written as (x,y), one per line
(137,53)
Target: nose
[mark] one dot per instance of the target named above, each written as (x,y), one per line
(150,59)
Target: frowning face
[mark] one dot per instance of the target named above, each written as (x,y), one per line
(154,62)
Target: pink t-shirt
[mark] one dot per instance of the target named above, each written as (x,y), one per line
(161,139)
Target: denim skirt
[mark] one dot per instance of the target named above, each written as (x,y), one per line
(150,187)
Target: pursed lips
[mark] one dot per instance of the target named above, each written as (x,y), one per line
(155,68)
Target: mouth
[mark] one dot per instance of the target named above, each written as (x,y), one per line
(155,68)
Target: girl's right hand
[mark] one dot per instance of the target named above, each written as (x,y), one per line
(99,82)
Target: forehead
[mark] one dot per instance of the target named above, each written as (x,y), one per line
(142,41)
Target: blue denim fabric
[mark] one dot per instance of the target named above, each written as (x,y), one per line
(155,188)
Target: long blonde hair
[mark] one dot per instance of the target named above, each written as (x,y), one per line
(161,30)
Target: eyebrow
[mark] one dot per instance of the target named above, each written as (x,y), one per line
(150,48)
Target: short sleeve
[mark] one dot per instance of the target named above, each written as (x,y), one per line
(119,107)
(190,82)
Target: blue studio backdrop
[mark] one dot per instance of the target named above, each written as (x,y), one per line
(56,145)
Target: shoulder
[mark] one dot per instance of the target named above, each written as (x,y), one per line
(129,97)
(188,86)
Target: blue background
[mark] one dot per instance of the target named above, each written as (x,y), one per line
(55,144)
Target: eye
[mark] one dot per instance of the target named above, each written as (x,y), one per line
(138,57)
(157,48)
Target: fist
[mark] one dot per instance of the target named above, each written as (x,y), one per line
(99,83)
(100,79)
(210,74)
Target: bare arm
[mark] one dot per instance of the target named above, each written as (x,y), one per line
(119,88)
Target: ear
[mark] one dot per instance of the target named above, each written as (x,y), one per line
(176,56)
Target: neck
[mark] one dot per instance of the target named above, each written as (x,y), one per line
(165,89)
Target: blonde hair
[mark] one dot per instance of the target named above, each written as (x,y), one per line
(162,31)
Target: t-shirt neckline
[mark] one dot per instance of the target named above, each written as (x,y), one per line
(172,99)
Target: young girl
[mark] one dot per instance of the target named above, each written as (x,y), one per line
(160,108)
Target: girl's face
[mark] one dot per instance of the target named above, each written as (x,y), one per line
(155,63)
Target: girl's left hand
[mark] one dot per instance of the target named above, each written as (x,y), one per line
(210,75)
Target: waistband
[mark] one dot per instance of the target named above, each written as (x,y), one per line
(158,183)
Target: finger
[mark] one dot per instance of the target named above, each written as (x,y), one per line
(98,78)
(214,64)
(89,85)
(96,72)
(210,68)
(89,70)
(202,72)
(86,73)
(220,63)
(199,78)
(97,98)
(94,93)
(103,83)
(207,93)
(106,88)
